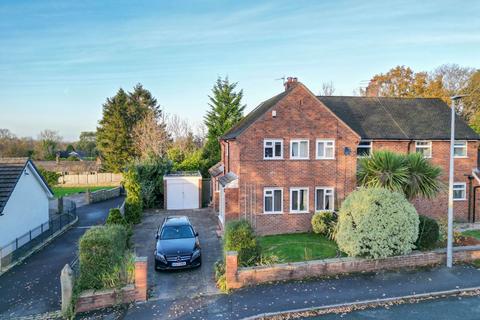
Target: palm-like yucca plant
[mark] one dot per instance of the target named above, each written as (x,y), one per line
(423,177)
(411,174)
(383,169)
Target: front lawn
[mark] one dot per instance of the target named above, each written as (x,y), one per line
(298,246)
(66,191)
(472,233)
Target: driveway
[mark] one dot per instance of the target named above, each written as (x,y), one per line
(33,287)
(181,283)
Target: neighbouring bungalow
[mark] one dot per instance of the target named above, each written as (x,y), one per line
(24,199)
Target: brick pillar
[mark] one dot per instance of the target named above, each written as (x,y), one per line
(231,268)
(141,278)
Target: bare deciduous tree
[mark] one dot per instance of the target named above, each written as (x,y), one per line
(328,89)
(150,137)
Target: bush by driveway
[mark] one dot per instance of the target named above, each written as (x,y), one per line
(181,283)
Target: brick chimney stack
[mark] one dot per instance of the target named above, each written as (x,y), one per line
(290,83)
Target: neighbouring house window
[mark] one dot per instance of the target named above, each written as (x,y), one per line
(298,200)
(323,199)
(424,147)
(364,148)
(460,149)
(459,191)
(299,149)
(325,149)
(272,200)
(273,149)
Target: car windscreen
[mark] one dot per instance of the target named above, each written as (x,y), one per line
(176,232)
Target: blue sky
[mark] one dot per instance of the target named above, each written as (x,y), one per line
(60,60)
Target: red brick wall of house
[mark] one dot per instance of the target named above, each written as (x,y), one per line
(437,207)
(298,115)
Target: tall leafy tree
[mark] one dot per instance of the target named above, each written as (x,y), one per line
(113,138)
(226,109)
(87,143)
(470,107)
(121,114)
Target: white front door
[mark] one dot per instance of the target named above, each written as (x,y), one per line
(182,194)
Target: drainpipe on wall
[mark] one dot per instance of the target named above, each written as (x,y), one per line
(470,195)
(228,155)
(409,144)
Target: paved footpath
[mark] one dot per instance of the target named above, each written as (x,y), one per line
(33,287)
(300,294)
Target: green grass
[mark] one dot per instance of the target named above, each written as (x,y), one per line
(66,191)
(298,247)
(472,233)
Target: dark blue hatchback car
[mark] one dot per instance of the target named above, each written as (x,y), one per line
(177,245)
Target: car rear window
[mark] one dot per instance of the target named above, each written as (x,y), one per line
(176,232)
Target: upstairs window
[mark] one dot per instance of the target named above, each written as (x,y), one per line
(272,200)
(459,191)
(460,149)
(325,149)
(273,149)
(298,200)
(323,199)
(364,148)
(424,147)
(299,149)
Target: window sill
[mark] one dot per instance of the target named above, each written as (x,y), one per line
(298,212)
(462,157)
(272,213)
(272,158)
(460,199)
(299,158)
(324,158)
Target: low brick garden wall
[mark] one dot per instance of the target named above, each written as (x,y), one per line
(102,195)
(92,300)
(237,277)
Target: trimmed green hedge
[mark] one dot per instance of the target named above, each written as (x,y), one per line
(376,223)
(240,237)
(115,217)
(428,233)
(102,254)
(324,223)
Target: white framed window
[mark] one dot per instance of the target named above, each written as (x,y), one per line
(298,200)
(273,149)
(272,200)
(460,149)
(299,149)
(324,199)
(424,147)
(364,148)
(459,191)
(325,149)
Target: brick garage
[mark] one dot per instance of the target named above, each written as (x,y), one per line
(299,114)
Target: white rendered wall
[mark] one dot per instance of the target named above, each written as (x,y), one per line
(26,209)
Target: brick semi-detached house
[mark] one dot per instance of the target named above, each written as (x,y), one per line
(296,153)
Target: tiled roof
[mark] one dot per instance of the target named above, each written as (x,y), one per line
(216,169)
(398,118)
(10,171)
(380,117)
(250,118)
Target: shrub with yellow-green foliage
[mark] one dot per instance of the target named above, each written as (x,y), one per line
(376,223)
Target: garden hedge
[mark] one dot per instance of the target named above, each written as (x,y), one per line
(102,252)
(376,223)
(428,233)
(240,237)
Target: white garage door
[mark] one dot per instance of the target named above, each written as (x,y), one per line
(182,193)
